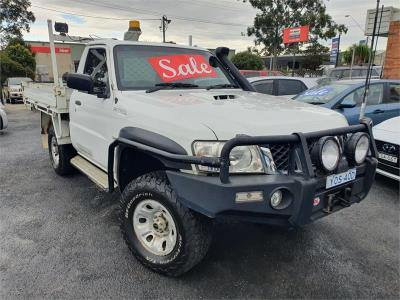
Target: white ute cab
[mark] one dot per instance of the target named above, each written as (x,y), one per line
(186,139)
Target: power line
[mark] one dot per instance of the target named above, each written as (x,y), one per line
(153,13)
(89,16)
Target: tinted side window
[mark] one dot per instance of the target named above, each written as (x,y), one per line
(265,87)
(375,96)
(290,87)
(394,94)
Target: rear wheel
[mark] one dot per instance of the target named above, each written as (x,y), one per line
(60,155)
(162,234)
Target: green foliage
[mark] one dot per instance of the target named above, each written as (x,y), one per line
(14,18)
(361,54)
(275,15)
(315,55)
(11,68)
(21,54)
(247,60)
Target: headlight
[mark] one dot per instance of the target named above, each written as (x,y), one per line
(326,153)
(243,159)
(357,148)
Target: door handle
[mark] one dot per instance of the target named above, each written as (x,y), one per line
(378,111)
(77,102)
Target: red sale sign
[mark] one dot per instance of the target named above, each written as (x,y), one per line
(296,34)
(181,66)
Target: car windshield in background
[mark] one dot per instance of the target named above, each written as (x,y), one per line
(18,80)
(144,67)
(322,94)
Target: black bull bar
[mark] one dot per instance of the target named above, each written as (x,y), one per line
(297,141)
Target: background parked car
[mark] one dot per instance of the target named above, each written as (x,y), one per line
(347,72)
(257,73)
(345,96)
(3,118)
(282,85)
(387,138)
(12,89)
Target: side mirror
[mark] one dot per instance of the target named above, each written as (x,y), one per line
(80,82)
(345,105)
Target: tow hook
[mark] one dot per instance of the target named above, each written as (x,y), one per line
(329,205)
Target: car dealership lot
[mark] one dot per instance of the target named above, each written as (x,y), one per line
(60,239)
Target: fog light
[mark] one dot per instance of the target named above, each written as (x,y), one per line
(276,198)
(249,197)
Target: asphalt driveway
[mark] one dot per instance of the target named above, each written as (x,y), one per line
(59,238)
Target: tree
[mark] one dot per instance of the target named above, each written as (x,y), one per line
(315,55)
(361,54)
(275,15)
(247,60)
(22,55)
(14,18)
(11,68)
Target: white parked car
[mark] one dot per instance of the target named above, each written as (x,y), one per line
(282,85)
(12,89)
(3,118)
(387,137)
(187,140)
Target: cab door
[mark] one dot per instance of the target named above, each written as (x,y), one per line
(91,114)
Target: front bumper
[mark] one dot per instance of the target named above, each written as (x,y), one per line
(301,179)
(208,196)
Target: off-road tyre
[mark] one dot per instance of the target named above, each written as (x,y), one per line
(65,153)
(194,231)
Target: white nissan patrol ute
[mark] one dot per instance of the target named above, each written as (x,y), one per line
(186,139)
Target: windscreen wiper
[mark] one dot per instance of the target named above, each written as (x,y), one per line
(315,102)
(165,85)
(222,86)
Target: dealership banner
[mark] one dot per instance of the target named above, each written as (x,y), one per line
(296,34)
(38,49)
(334,50)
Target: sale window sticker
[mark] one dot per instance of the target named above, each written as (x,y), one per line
(318,92)
(181,67)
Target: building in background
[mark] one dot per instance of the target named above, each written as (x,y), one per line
(390,28)
(67,54)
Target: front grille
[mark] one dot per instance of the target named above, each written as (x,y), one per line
(281,152)
(388,149)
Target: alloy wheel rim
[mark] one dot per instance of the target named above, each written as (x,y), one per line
(154,227)
(54,152)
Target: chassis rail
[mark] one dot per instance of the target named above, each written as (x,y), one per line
(297,142)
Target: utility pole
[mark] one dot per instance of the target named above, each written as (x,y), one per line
(164,25)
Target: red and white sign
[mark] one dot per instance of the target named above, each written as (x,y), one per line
(38,49)
(296,34)
(181,66)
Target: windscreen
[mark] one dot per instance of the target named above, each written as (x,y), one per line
(142,67)
(322,94)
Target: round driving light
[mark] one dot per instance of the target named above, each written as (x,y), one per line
(276,198)
(357,148)
(326,153)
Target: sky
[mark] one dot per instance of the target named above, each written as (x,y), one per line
(188,17)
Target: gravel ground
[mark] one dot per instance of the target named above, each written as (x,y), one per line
(60,239)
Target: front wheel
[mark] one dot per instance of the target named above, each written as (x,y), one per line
(60,155)
(162,234)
